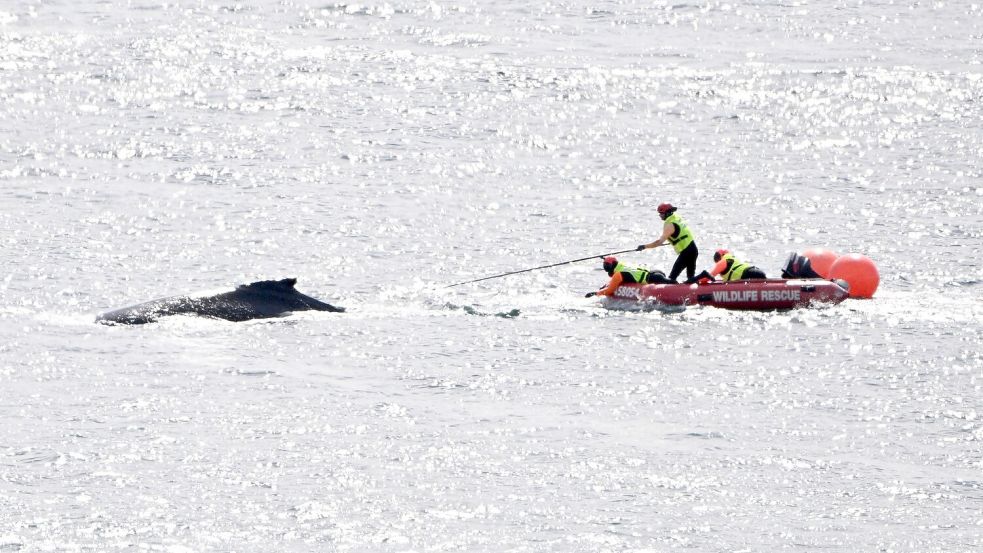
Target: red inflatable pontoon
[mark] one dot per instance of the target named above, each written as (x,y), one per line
(760,295)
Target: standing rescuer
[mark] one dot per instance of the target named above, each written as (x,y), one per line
(676,232)
(621,274)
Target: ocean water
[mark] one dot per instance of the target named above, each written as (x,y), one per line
(380,151)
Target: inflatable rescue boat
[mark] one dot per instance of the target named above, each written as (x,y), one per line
(758,295)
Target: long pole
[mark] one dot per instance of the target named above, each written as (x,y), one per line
(543,267)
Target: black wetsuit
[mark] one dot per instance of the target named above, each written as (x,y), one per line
(752,273)
(686,260)
(658,277)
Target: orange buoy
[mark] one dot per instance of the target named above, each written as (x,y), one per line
(859,271)
(821,260)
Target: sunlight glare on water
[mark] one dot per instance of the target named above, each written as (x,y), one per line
(382,151)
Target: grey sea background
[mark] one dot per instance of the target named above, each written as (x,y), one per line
(380,151)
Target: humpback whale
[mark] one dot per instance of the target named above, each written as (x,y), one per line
(259,300)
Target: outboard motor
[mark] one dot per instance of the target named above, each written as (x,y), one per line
(798,266)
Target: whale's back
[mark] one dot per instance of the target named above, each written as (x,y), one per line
(258,300)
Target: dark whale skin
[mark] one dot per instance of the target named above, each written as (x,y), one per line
(259,300)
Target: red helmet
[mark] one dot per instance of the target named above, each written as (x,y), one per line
(610,262)
(719,254)
(666,209)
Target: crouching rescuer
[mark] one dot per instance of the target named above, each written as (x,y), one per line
(729,268)
(623,274)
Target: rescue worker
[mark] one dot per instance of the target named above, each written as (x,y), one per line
(675,232)
(729,268)
(622,274)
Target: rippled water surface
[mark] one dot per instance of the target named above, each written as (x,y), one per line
(380,151)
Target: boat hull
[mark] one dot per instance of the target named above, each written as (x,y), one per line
(755,295)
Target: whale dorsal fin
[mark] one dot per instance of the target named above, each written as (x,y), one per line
(286,284)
